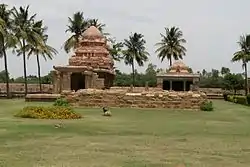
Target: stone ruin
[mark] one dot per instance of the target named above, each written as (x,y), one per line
(145,99)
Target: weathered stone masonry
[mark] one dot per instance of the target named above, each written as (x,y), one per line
(100,98)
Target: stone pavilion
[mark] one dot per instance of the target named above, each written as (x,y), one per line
(90,67)
(178,78)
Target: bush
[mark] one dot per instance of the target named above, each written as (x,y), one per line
(237,99)
(230,98)
(225,96)
(55,112)
(248,99)
(61,102)
(207,106)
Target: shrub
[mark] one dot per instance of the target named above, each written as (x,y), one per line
(225,96)
(55,112)
(248,99)
(207,106)
(61,102)
(237,99)
(241,100)
(230,98)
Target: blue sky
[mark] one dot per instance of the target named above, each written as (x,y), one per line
(211,28)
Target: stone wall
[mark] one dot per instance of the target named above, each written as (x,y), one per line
(19,87)
(111,98)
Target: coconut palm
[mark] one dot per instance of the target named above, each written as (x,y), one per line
(44,50)
(115,49)
(77,25)
(135,51)
(171,45)
(243,55)
(98,25)
(23,28)
(7,39)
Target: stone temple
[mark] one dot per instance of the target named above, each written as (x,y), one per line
(178,78)
(90,67)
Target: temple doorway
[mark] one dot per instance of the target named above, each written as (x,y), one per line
(178,86)
(77,81)
(166,85)
(188,85)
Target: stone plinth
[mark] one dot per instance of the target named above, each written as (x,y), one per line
(99,98)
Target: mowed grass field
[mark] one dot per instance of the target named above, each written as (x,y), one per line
(130,138)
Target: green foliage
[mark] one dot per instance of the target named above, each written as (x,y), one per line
(237,99)
(171,45)
(207,106)
(211,79)
(225,96)
(56,112)
(123,79)
(248,99)
(233,82)
(61,102)
(135,52)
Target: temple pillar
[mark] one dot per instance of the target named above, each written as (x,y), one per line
(171,84)
(160,83)
(66,81)
(94,80)
(55,82)
(184,85)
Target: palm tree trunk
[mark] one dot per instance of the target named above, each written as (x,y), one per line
(39,72)
(246,79)
(24,69)
(133,71)
(6,74)
(170,61)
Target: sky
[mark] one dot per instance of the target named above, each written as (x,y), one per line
(211,28)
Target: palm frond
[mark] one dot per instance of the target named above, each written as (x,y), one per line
(70,43)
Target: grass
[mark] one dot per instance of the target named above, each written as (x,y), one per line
(130,138)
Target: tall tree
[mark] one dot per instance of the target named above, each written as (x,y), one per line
(38,49)
(77,25)
(7,40)
(23,28)
(135,51)
(171,45)
(233,82)
(224,71)
(243,55)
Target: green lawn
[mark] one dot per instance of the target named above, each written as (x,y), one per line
(131,138)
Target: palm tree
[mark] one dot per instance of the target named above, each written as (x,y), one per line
(25,33)
(171,45)
(135,51)
(77,25)
(43,50)
(243,55)
(115,49)
(7,39)
(98,25)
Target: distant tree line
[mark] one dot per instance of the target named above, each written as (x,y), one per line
(209,79)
